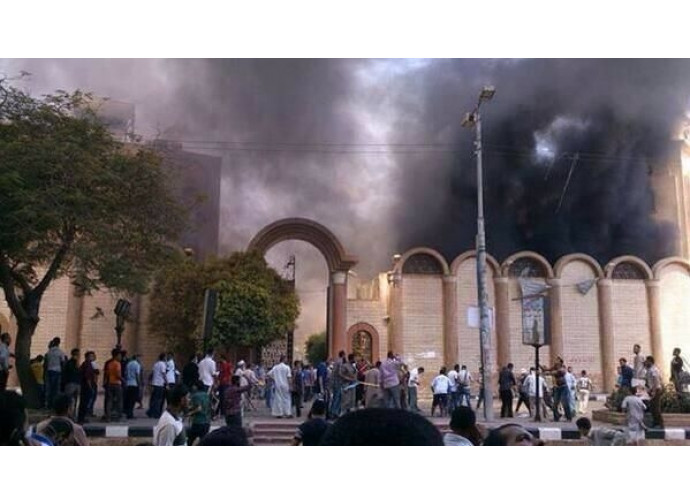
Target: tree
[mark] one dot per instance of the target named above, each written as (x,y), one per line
(316,348)
(74,202)
(255,305)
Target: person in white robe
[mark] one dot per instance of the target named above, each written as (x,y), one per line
(281,403)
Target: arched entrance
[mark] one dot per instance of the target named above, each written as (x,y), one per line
(363,341)
(338,260)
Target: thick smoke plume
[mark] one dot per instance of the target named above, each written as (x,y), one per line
(618,117)
(374,149)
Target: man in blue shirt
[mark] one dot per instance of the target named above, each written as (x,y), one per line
(132,384)
(627,374)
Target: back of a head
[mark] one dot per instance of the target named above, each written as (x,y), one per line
(226,436)
(462,419)
(583,423)
(382,427)
(59,431)
(12,418)
(318,408)
(176,394)
(61,404)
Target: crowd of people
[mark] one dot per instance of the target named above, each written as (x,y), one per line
(185,402)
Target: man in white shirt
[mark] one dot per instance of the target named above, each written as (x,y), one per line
(170,371)
(170,431)
(639,370)
(531,387)
(158,386)
(412,388)
(281,406)
(208,370)
(440,387)
(453,389)
(584,387)
(464,385)
(464,430)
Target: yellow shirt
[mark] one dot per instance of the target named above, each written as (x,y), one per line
(37,369)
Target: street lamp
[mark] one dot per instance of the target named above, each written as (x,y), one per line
(121,312)
(470,120)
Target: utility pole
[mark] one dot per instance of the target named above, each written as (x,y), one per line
(473,119)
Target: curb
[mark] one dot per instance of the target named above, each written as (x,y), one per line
(545,433)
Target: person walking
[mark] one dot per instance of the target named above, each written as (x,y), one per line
(158,386)
(531,388)
(413,387)
(523,396)
(506,386)
(584,388)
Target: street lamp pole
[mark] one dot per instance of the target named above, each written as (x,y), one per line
(474,119)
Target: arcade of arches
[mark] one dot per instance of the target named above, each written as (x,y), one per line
(422,308)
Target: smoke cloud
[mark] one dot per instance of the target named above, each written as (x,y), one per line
(374,150)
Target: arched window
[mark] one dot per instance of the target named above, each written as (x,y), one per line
(628,271)
(422,264)
(526,267)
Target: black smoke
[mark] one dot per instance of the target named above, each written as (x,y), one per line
(617,116)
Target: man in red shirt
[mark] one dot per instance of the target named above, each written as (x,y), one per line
(224,375)
(88,385)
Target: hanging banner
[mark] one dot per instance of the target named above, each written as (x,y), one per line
(536,330)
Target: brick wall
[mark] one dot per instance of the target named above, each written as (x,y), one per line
(630,318)
(422,305)
(675,315)
(468,343)
(580,314)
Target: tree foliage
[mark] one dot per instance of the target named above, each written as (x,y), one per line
(74,202)
(316,348)
(255,305)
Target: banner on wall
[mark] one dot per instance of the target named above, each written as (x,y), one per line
(536,330)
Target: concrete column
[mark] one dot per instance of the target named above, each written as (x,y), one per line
(339,288)
(450,320)
(654,306)
(556,314)
(606,333)
(395,328)
(502,312)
